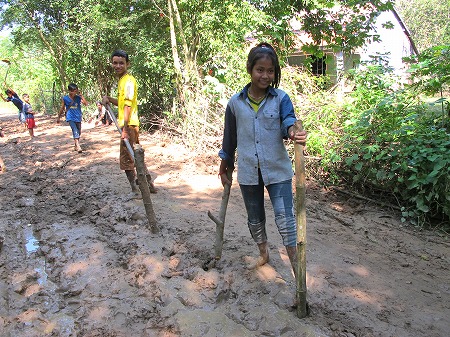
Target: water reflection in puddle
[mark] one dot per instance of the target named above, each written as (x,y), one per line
(31,243)
(28,201)
(31,246)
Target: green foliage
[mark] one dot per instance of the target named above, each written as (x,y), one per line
(380,136)
(342,25)
(427,21)
(78,37)
(390,141)
(430,75)
(430,71)
(25,74)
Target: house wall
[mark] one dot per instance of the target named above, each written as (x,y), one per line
(349,62)
(394,44)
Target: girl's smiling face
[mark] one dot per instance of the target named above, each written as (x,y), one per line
(120,65)
(262,73)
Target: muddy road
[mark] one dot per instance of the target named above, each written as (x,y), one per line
(77,257)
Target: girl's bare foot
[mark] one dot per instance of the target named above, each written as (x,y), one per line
(263,256)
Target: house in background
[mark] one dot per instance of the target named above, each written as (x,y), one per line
(395,44)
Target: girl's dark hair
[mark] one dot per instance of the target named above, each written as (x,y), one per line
(8,91)
(120,53)
(260,51)
(72,86)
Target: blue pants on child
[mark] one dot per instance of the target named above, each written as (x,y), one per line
(76,129)
(282,201)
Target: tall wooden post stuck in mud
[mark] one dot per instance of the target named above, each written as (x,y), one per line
(302,306)
(139,162)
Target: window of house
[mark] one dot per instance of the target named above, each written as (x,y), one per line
(318,65)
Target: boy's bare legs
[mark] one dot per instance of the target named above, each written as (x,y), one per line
(31,132)
(151,186)
(132,179)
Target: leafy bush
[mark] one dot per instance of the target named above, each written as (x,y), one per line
(391,143)
(384,139)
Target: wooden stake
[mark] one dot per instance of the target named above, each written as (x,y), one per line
(143,186)
(302,306)
(220,221)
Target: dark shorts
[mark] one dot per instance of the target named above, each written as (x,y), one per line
(126,161)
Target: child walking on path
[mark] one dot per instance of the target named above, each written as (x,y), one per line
(29,114)
(257,119)
(128,118)
(13,97)
(71,106)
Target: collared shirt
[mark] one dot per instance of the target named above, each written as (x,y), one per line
(258,137)
(127,96)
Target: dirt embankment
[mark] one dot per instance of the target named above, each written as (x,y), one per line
(77,258)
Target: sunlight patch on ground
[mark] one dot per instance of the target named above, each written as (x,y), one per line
(74,268)
(27,316)
(202,183)
(99,314)
(362,296)
(360,270)
(267,272)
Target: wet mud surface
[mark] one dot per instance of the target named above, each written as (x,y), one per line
(78,259)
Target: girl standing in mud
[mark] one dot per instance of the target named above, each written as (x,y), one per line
(257,119)
(71,105)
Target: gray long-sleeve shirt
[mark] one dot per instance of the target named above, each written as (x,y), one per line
(258,137)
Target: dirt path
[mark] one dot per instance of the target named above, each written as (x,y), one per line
(78,260)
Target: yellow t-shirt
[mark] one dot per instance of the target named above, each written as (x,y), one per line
(255,104)
(127,96)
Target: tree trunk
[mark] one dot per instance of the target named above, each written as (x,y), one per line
(57,57)
(175,56)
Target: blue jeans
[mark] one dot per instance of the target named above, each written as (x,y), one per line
(283,206)
(22,118)
(76,129)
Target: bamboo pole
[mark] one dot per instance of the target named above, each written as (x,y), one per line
(302,306)
(139,162)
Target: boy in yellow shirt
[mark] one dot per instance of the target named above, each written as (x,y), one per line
(128,118)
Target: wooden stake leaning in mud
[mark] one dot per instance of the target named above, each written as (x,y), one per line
(143,186)
(139,163)
(302,305)
(220,221)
